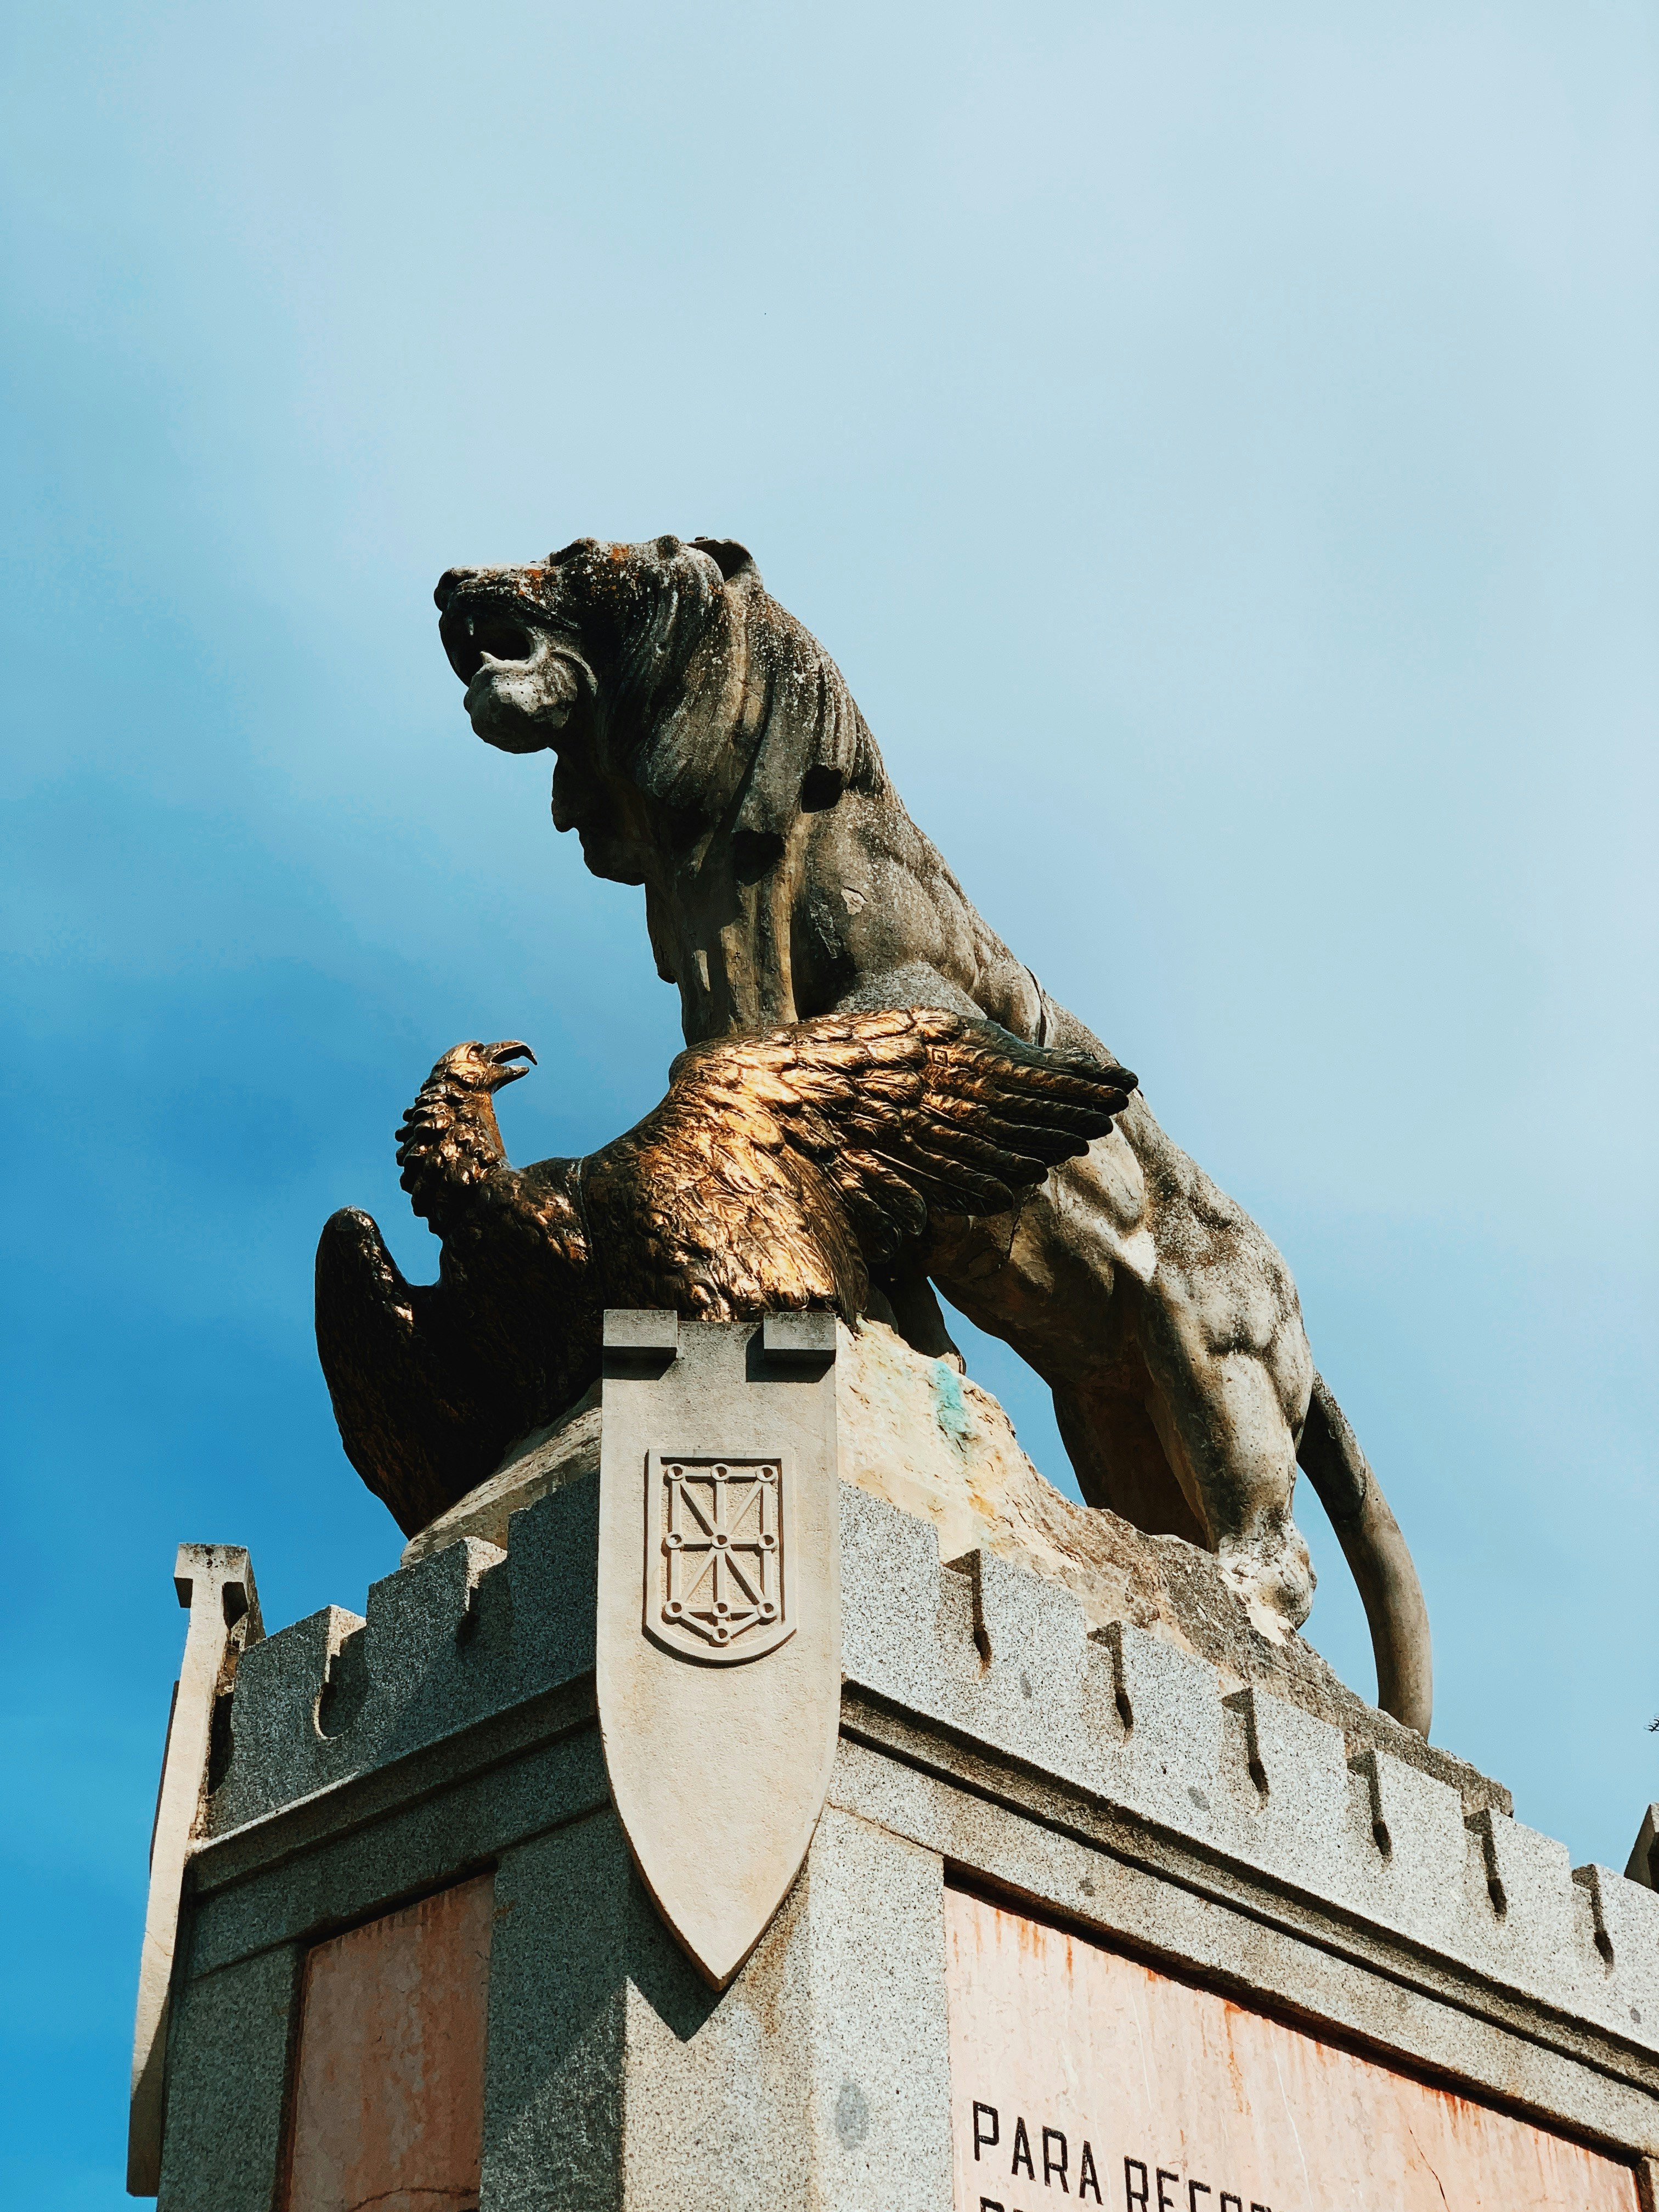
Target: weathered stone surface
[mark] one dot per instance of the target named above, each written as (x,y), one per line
(1076,2066)
(818,2082)
(986,1654)
(387,2106)
(216,1582)
(460,1634)
(227,2052)
(545,1459)
(933,1443)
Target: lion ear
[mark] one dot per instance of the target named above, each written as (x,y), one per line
(731,559)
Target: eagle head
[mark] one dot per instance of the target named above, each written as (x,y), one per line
(481,1067)
(449,1142)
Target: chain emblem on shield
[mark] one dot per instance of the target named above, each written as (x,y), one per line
(714,1569)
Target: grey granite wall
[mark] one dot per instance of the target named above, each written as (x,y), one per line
(1003,1660)
(1105,1778)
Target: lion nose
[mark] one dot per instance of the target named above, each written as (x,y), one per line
(448,584)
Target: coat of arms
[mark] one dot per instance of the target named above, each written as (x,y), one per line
(714,1569)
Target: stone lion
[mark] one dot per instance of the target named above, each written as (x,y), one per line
(709,749)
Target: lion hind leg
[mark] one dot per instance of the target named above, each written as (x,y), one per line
(1223,1414)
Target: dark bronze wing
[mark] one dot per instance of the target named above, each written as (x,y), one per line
(781,1168)
(409,1415)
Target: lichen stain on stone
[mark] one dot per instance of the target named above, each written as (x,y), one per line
(852,2115)
(949,1405)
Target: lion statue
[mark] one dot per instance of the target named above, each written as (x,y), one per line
(709,749)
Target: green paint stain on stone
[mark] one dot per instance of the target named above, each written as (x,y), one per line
(950,1406)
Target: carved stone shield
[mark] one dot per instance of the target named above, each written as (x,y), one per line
(715,1555)
(719,1648)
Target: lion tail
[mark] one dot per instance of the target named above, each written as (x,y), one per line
(1333,1461)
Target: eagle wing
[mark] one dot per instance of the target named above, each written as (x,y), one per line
(781,1168)
(431,1382)
(411,1422)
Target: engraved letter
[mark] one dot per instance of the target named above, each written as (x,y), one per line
(1165,2204)
(1087,2178)
(1051,2165)
(982,2139)
(1194,2189)
(1022,2150)
(1227,2198)
(1132,2195)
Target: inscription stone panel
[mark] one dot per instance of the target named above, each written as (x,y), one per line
(1081,2076)
(389,2094)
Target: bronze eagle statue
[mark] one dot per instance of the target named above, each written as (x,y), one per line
(782,1171)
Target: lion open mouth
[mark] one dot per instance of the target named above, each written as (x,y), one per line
(472,632)
(521,684)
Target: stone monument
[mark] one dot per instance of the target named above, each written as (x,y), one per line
(757,1785)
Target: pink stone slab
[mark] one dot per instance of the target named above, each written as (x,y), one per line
(388,2102)
(1078,2076)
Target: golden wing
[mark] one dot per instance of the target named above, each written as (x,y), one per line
(781,1167)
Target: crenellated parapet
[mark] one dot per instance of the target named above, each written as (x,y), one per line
(446,1641)
(996,1661)
(1005,1660)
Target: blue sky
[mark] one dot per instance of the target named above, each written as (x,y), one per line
(1218,446)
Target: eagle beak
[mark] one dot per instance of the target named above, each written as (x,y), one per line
(501,1056)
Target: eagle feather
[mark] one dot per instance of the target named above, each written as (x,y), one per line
(778,1171)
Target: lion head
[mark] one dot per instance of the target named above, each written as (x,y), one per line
(680,698)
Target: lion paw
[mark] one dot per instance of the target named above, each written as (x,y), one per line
(1273,1576)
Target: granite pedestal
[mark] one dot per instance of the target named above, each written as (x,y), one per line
(997,1757)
